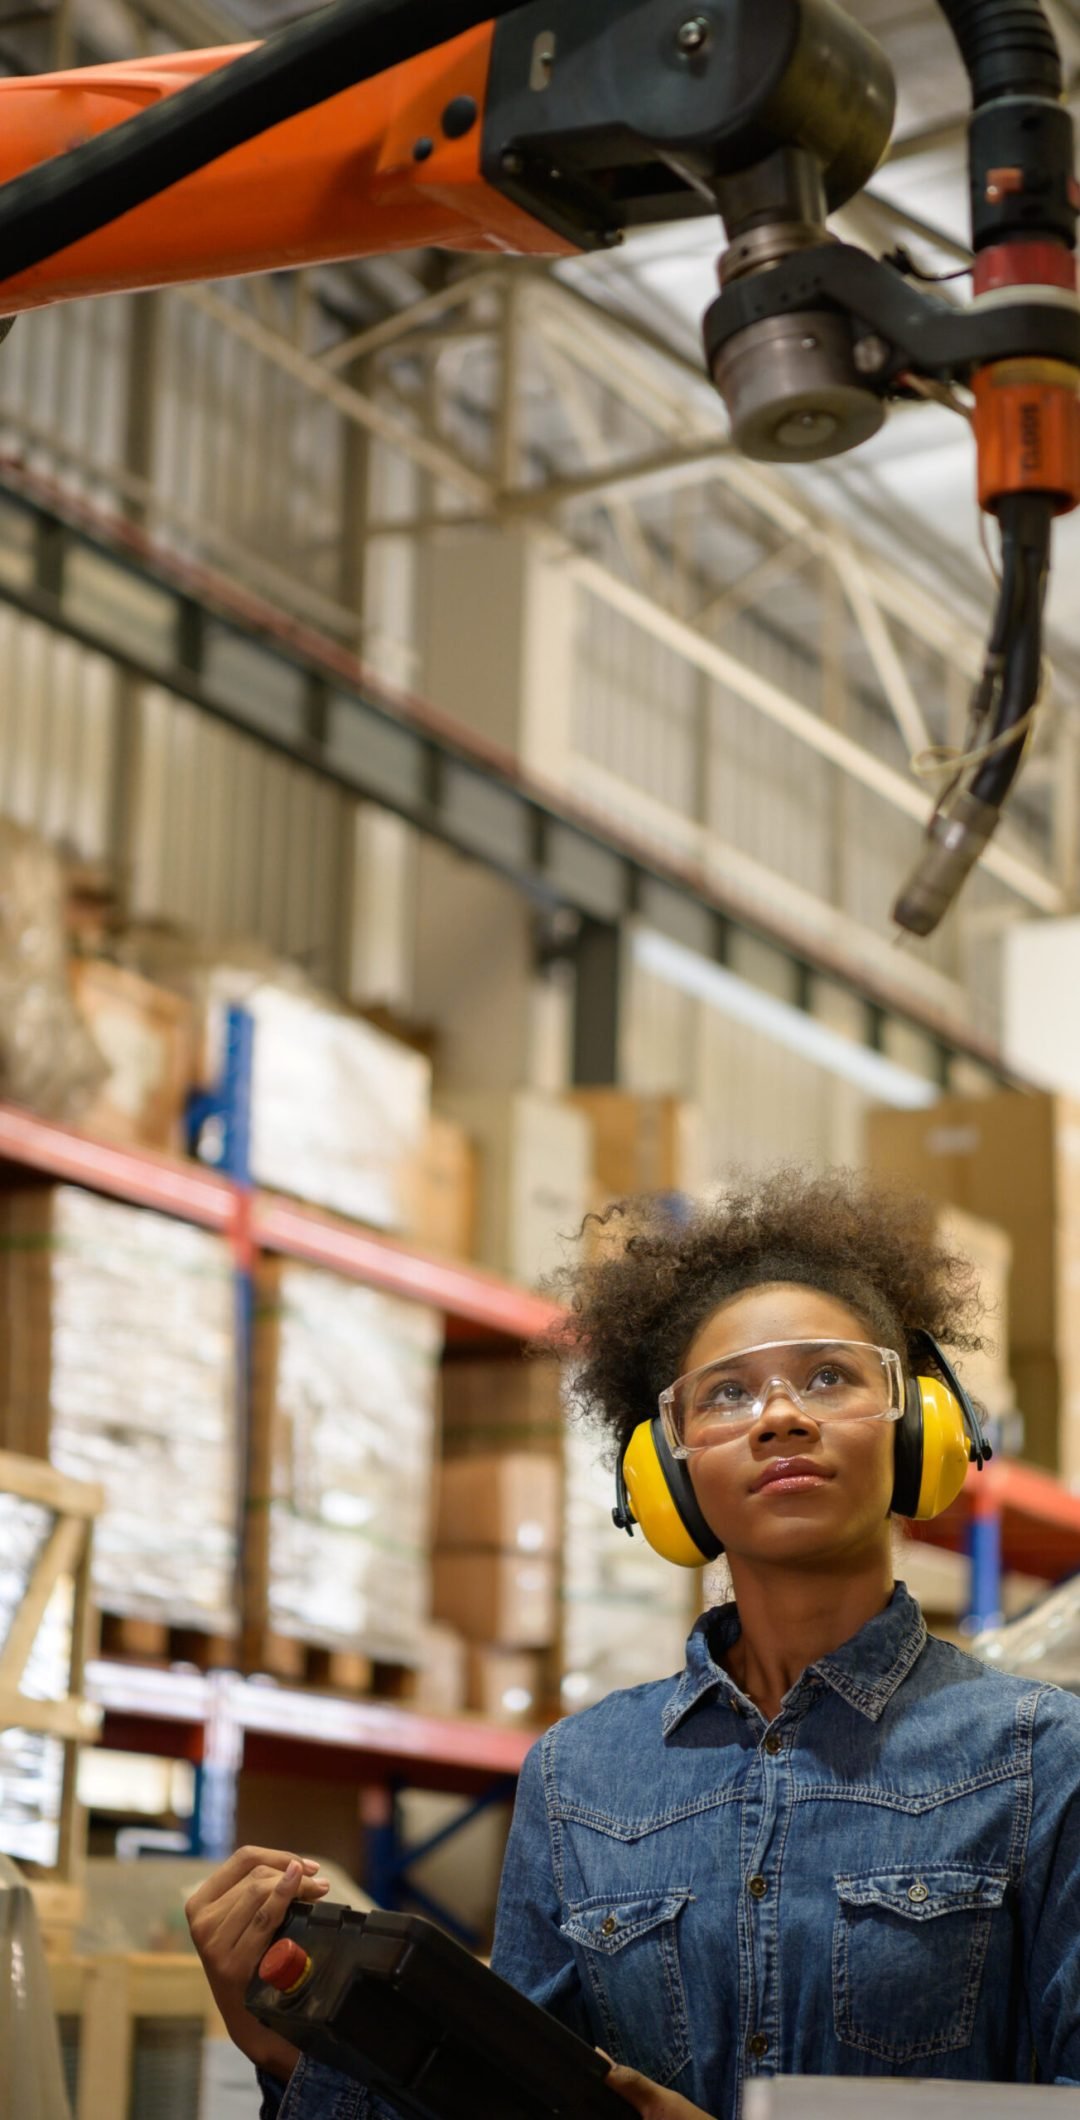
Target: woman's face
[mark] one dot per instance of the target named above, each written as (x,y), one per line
(826,1520)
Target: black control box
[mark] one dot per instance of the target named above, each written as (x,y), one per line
(396,2004)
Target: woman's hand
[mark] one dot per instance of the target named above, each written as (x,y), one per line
(649,2100)
(232,1918)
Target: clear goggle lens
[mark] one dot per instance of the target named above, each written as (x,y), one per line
(830,1380)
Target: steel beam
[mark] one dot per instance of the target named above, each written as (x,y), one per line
(168,625)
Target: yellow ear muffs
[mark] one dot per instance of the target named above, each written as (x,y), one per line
(937,1439)
(657,1493)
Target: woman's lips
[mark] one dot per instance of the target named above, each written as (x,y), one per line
(793,1483)
(788,1475)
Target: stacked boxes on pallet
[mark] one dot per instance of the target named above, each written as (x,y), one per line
(117,1361)
(1012,1159)
(342,1452)
(496,1581)
(623,1613)
(339,1110)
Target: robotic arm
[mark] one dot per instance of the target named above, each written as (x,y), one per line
(551,127)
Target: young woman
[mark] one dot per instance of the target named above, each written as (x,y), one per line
(831,1845)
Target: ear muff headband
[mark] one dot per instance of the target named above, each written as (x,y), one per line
(937,1438)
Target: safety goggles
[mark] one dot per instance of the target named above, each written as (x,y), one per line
(828,1380)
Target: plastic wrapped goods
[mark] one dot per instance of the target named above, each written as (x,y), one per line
(32,1764)
(339,1110)
(343,1447)
(117,1362)
(1043,1643)
(31,2076)
(48,1058)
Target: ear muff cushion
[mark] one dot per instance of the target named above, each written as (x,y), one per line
(663,1500)
(932,1450)
(908,1460)
(946,1451)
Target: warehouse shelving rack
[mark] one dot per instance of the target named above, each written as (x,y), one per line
(220,1721)
(1012,1515)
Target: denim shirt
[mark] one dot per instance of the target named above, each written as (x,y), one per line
(883,1881)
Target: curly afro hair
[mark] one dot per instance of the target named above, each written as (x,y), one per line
(658,1272)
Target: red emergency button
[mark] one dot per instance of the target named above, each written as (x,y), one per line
(286,1966)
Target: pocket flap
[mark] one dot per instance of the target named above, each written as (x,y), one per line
(920,1895)
(610,1924)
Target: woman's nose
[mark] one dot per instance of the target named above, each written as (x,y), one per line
(781,1410)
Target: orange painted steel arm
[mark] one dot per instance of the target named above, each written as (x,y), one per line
(339,181)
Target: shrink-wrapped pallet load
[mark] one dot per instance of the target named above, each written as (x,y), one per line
(117,1362)
(342,1458)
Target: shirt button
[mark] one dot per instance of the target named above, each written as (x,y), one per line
(918,1892)
(608,1927)
(774,1745)
(758,2045)
(757,1887)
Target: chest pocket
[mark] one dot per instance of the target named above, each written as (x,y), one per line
(909,1948)
(628,1954)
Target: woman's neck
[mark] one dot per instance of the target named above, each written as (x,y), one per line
(788,1620)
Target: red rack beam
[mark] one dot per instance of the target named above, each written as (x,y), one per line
(169,1183)
(460,1291)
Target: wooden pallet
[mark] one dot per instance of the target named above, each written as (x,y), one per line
(153,1641)
(300,1663)
(65,1556)
(109,2000)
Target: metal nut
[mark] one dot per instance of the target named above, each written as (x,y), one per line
(870,354)
(692,36)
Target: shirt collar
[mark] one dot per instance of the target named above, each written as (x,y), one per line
(864,1671)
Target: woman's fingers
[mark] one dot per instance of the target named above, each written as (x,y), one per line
(237,1868)
(649,2100)
(252,1913)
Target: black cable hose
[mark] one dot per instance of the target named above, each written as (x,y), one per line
(1026,526)
(74,194)
(1007,46)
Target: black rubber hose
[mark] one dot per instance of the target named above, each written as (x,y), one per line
(74,194)
(1026,526)
(1007,46)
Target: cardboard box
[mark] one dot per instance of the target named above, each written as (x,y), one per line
(498,1597)
(534,1178)
(439,1682)
(1013,1159)
(502,1405)
(506,1685)
(146,1036)
(443,1215)
(642,1144)
(511,1500)
(986,1374)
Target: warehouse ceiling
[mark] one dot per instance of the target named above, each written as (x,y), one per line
(573,396)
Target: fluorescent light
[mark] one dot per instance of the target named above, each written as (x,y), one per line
(873,1073)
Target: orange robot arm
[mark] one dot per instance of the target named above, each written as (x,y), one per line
(390,164)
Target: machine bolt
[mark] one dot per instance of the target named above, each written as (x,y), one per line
(691,37)
(870,354)
(511,163)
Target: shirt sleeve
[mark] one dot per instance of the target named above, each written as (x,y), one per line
(1051,1890)
(530,1949)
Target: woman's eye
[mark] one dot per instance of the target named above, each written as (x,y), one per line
(727,1393)
(827,1377)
